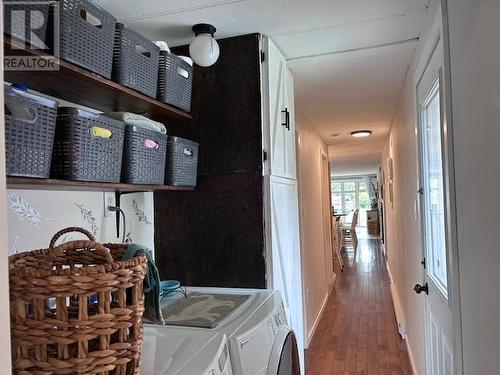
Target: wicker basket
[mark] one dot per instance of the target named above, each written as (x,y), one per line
(87,147)
(76,309)
(175,81)
(83,43)
(30,122)
(182,162)
(135,61)
(144,153)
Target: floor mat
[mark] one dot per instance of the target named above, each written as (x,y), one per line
(205,310)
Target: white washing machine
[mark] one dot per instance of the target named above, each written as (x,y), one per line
(172,350)
(260,341)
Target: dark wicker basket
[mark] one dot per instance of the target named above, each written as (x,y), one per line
(36,12)
(30,122)
(144,153)
(135,61)
(76,309)
(87,147)
(175,81)
(83,43)
(182,162)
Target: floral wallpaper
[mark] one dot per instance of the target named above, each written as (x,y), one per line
(34,216)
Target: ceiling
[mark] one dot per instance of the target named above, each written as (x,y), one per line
(349,57)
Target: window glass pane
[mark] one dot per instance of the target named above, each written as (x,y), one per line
(434,205)
(336,187)
(349,201)
(337,201)
(364,201)
(350,186)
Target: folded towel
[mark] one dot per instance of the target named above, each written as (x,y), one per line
(151,283)
(163,45)
(135,119)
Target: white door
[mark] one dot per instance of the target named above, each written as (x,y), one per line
(278,93)
(285,260)
(435,216)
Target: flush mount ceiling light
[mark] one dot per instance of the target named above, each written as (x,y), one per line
(204,49)
(361,133)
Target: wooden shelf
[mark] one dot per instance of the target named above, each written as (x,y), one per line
(53,184)
(78,85)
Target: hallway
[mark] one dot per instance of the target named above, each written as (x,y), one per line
(357,333)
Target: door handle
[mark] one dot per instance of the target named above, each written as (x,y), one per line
(286,124)
(421,288)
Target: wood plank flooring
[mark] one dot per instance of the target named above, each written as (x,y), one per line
(357,334)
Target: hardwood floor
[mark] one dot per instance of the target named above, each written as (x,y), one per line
(357,334)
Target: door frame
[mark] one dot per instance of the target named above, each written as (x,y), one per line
(439,33)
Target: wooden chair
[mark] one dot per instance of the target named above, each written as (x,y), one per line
(337,241)
(349,231)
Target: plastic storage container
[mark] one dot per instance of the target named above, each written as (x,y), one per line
(30,122)
(144,153)
(175,81)
(87,34)
(87,147)
(135,61)
(33,12)
(182,162)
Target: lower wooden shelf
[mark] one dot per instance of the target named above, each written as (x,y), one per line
(53,184)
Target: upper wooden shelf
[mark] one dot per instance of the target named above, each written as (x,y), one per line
(78,85)
(53,184)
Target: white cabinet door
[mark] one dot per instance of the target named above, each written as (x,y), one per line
(284,258)
(279,119)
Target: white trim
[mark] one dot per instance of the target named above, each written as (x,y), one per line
(310,336)
(410,357)
(398,310)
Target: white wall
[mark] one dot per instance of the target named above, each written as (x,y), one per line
(316,260)
(474,30)
(5,367)
(34,216)
(403,242)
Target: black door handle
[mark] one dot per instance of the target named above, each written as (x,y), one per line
(421,288)
(286,124)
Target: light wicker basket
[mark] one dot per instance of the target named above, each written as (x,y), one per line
(76,309)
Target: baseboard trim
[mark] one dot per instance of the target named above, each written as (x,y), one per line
(318,318)
(398,310)
(410,356)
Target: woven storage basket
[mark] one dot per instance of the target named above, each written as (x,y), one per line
(144,153)
(76,309)
(135,61)
(175,81)
(81,41)
(182,162)
(30,122)
(87,147)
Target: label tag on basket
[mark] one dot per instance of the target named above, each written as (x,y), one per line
(101,132)
(188,151)
(151,144)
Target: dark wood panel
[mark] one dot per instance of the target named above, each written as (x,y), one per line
(81,86)
(54,184)
(214,235)
(226,109)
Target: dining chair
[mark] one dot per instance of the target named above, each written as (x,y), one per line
(349,231)
(337,241)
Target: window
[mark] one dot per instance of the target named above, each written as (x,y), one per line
(349,195)
(433,188)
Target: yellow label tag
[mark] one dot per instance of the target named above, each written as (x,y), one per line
(101,132)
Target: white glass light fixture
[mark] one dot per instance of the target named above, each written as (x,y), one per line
(361,133)
(204,49)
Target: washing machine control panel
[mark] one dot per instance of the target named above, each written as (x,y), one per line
(276,320)
(221,364)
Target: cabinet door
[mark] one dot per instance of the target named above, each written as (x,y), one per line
(280,119)
(284,260)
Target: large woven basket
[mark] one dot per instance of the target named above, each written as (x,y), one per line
(76,309)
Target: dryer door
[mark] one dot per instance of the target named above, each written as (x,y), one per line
(284,359)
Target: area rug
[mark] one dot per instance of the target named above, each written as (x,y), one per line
(203,310)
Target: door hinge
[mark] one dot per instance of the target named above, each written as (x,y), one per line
(264,155)
(423,263)
(262,56)
(420,191)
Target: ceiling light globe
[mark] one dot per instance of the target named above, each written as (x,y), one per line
(204,50)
